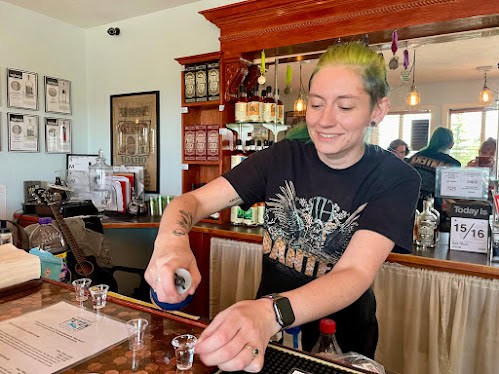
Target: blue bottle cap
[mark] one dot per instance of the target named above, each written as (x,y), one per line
(293,330)
(167,306)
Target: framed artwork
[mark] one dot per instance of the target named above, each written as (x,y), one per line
(22,89)
(57,95)
(135,134)
(58,135)
(23,132)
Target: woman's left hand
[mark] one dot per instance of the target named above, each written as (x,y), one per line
(238,336)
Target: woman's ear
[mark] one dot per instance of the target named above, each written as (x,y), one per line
(380,109)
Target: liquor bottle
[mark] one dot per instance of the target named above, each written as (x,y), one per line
(28,88)
(427,227)
(241,107)
(254,108)
(327,345)
(279,109)
(431,200)
(269,107)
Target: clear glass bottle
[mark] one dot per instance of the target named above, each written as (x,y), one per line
(101,175)
(47,237)
(427,227)
(327,346)
(431,200)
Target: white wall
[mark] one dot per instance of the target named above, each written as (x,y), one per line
(36,43)
(142,58)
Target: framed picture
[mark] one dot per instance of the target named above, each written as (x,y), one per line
(22,89)
(135,134)
(23,132)
(57,95)
(57,135)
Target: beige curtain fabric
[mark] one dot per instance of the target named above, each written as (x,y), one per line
(235,270)
(436,323)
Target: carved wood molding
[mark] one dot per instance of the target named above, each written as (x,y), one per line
(342,17)
(253,25)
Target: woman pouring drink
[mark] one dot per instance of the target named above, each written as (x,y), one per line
(335,208)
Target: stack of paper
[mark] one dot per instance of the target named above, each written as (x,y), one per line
(17,266)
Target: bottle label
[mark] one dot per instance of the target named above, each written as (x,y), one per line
(269,112)
(241,107)
(254,111)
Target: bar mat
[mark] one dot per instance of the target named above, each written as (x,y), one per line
(280,360)
(34,283)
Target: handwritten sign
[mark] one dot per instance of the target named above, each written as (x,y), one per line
(467,183)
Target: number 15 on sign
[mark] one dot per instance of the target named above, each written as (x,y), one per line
(468,234)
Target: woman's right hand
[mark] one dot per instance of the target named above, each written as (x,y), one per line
(170,255)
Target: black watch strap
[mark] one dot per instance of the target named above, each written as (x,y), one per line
(282,308)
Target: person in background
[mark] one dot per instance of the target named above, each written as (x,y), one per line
(399,148)
(335,207)
(486,154)
(426,161)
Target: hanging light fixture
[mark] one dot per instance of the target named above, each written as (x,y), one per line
(486,94)
(413,97)
(300,104)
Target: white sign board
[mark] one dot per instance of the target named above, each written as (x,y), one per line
(469,234)
(466,183)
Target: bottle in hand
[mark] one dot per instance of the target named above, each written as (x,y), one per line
(326,345)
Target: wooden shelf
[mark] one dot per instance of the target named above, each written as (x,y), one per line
(206,104)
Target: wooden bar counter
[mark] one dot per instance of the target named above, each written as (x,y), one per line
(440,259)
(158,355)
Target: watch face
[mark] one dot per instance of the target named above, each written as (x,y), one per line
(284,312)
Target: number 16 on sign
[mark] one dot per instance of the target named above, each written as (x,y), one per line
(468,234)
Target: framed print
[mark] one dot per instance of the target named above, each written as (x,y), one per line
(57,135)
(23,132)
(135,134)
(22,89)
(57,95)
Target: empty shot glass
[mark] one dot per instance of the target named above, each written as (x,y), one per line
(184,350)
(99,295)
(81,288)
(136,330)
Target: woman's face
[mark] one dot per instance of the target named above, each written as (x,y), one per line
(338,113)
(400,151)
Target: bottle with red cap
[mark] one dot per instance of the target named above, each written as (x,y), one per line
(327,345)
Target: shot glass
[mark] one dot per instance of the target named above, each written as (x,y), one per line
(184,350)
(99,295)
(81,287)
(136,330)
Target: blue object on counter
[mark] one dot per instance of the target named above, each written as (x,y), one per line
(167,306)
(295,331)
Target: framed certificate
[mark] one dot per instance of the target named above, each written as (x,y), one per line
(22,89)
(23,132)
(57,95)
(58,135)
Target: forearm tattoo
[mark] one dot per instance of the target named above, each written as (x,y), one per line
(185,223)
(235,201)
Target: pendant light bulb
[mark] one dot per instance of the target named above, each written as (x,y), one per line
(486,94)
(413,97)
(300,105)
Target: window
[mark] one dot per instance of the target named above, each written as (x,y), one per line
(411,127)
(471,127)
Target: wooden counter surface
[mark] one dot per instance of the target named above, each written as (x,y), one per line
(158,355)
(440,259)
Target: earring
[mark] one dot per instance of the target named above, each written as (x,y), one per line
(373,123)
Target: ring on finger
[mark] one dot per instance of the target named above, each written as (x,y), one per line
(254,351)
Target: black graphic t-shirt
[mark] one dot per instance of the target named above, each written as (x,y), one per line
(312,212)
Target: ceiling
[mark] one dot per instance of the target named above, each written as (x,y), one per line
(90,13)
(436,60)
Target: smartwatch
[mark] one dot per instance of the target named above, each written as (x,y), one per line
(283,310)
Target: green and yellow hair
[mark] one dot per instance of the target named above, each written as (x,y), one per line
(362,59)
